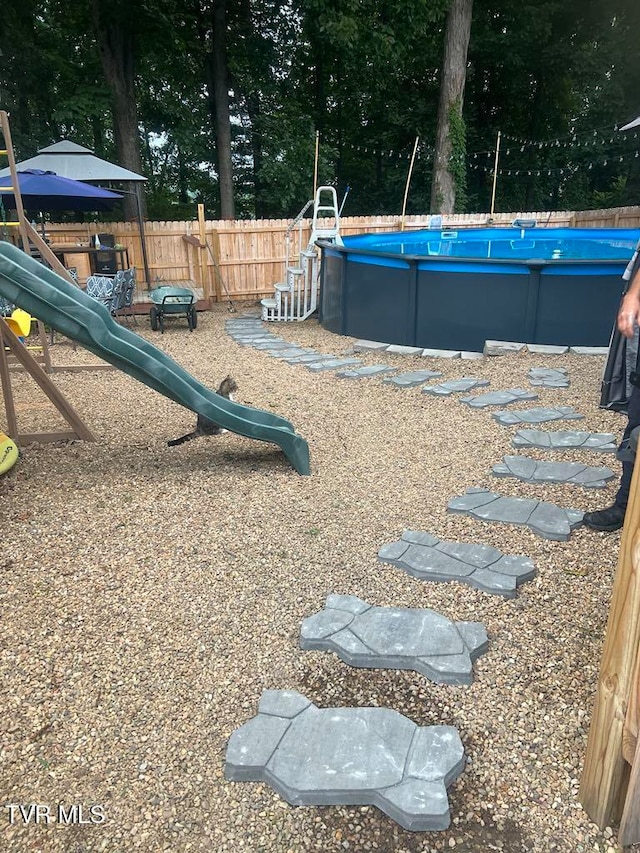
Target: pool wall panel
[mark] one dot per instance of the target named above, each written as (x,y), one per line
(330,309)
(454,311)
(369,310)
(579,310)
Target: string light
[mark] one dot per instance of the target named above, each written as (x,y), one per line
(426,152)
(571,168)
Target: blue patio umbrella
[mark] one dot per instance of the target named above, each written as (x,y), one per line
(46,191)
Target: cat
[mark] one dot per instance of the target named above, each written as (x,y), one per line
(203,425)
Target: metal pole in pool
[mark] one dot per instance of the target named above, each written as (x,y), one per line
(495,174)
(406,189)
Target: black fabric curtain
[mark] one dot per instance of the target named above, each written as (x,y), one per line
(623,356)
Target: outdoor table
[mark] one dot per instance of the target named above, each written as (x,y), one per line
(121,255)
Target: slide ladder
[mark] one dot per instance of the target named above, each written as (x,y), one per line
(296,297)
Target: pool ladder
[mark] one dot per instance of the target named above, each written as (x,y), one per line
(296,298)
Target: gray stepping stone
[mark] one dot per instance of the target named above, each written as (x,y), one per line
(290,352)
(544,519)
(547,349)
(252,340)
(369,346)
(348,756)
(502,347)
(308,358)
(455,386)
(425,557)
(570,473)
(399,349)
(499,398)
(565,440)
(549,377)
(274,343)
(367,371)
(245,328)
(441,353)
(589,350)
(537,416)
(329,363)
(395,638)
(412,378)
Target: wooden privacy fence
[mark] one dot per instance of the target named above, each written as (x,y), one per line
(249,255)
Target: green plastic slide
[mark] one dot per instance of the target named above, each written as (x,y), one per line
(46,295)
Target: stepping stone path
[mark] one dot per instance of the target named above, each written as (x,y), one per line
(430,559)
(499,398)
(413,378)
(549,377)
(537,416)
(565,440)
(376,756)
(395,638)
(348,756)
(543,518)
(367,371)
(455,386)
(569,473)
(250,332)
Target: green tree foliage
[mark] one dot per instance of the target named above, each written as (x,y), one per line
(556,77)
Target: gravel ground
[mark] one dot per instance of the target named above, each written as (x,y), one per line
(150,594)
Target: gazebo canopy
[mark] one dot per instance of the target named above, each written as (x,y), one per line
(75,162)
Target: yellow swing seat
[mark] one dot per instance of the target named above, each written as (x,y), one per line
(19,322)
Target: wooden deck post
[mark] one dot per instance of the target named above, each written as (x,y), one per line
(605,776)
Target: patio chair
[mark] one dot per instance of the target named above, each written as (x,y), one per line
(101,287)
(6,307)
(124,288)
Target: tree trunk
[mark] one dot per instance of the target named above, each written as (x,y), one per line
(115,46)
(255,117)
(454,73)
(217,84)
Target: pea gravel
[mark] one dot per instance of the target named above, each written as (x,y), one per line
(150,594)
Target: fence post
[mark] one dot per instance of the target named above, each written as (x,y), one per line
(606,773)
(202,252)
(215,257)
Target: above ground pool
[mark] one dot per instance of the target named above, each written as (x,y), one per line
(455,289)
